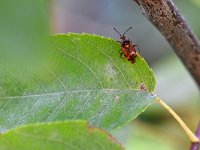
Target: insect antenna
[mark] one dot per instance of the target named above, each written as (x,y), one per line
(127,30)
(117,31)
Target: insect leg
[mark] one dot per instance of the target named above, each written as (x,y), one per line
(121,53)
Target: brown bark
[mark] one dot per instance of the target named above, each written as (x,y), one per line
(168,20)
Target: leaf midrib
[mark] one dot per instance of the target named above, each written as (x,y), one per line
(69,91)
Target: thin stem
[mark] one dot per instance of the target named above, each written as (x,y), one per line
(190,134)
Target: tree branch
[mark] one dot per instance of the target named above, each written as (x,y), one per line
(164,15)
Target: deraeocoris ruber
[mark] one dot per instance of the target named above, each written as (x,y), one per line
(127,47)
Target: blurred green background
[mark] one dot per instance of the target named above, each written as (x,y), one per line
(155,128)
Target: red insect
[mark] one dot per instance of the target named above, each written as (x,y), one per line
(127,47)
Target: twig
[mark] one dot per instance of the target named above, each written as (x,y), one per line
(167,19)
(191,136)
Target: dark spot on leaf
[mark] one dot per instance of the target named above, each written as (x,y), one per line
(143,87)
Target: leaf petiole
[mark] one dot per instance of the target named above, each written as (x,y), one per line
(190,134)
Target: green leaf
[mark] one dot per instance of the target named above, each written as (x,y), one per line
(70,135)
(87,80)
